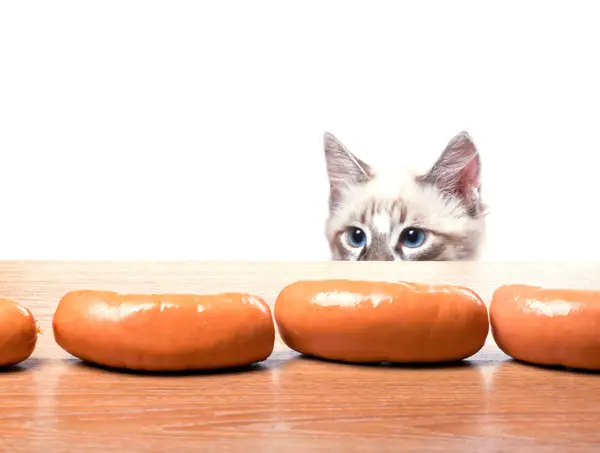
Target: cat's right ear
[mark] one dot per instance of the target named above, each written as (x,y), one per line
(343,168)
(457,172)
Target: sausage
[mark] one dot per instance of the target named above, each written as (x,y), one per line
(18,333)
(547,326)
(370,321)
(164,332)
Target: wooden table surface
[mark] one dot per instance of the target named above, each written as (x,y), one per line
(53,403)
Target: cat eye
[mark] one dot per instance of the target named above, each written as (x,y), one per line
(356,237)
(412,238)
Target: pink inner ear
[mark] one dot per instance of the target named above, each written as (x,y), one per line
(457,171)
(470,176)
(469,182)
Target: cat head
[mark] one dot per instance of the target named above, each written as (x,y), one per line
(400,215)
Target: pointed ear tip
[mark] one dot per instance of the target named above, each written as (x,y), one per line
(328,137)
(464,134)
(465,141)
(331,143)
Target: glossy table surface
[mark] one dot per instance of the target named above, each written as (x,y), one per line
(489,403)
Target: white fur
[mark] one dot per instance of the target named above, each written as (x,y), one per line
(442,214)
(426,206)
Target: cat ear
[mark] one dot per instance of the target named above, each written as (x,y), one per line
(457,170)
(343,168)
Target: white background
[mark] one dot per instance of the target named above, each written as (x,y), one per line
(193,130)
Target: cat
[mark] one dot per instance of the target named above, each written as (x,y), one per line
(435,216)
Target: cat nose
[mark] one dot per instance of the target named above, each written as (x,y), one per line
(378,255)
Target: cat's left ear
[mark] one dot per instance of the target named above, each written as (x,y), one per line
(344,169)
(457,171)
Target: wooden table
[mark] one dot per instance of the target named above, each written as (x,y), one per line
(53,403)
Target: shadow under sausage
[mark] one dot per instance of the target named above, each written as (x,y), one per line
(30,364)
(554,368)
(389,365)
(252,368)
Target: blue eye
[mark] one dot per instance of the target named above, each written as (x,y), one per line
(412,238)
(356,237)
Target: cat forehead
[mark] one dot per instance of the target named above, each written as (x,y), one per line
(391,193)
(384,187)
(385,202)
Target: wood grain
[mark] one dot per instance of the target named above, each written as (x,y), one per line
(290,404)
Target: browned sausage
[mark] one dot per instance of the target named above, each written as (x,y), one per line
(547,326)
(164,332)
(18,333)
(366,321)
